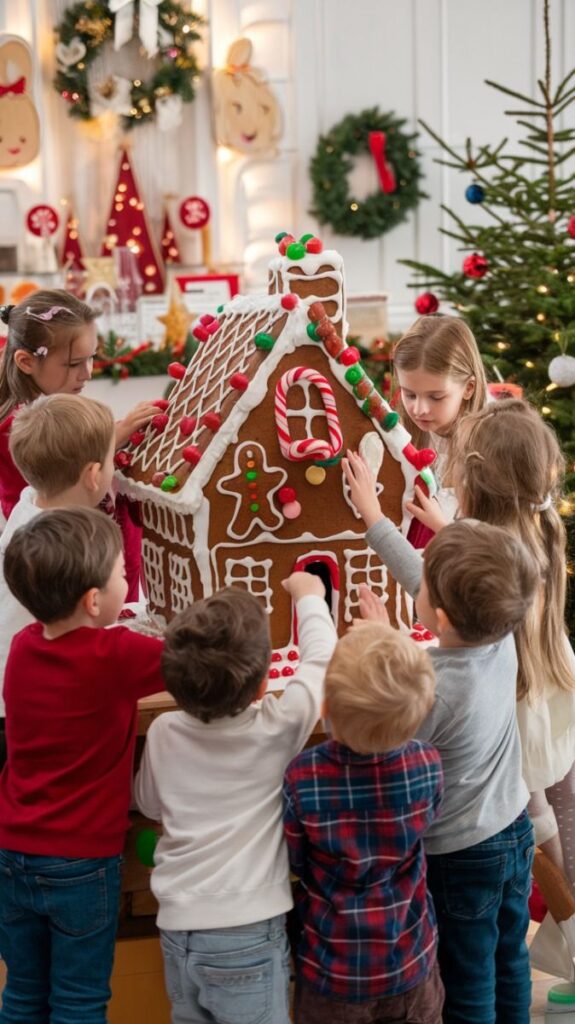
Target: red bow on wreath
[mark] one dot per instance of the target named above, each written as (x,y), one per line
(18,87)
(385,171)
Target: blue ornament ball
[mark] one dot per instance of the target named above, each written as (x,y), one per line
(474,193)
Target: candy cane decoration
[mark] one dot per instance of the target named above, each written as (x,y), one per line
(309,447)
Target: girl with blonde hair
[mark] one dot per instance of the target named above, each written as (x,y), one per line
(439,378)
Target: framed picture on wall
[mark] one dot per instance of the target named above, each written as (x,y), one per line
(212,289)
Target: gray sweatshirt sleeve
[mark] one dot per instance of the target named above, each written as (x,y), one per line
(403,561)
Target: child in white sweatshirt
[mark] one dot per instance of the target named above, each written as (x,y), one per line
(212,773)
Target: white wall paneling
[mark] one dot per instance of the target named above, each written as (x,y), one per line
(324,58)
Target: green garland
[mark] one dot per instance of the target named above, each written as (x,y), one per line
(329,168)
(176,71)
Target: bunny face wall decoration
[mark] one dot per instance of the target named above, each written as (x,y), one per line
(19,122)
(247,114)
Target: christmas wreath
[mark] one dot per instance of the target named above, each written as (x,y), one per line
(398,170)
(167,32)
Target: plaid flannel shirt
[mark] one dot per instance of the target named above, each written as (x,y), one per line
(354,826)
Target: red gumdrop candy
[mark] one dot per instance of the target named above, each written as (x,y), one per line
(293,655)
(177,371)
(314,245)
(187,425)
(192,454)
(206,319)
(159,422)
(239,381)
(276,656)
(200,333)
(157,479)
(213,326)
(287,671)
(286,494)
(349,356)
(289,301)
(286,240)
(334,345)
(122,459)
(137,437)
(274,673)
(161,403)
(212,420)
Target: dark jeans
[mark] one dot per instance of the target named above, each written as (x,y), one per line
(480,897)
(420,1005)
(58,921)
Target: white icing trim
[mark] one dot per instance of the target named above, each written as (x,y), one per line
(249,578)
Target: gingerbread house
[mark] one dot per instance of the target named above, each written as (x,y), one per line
(239,477)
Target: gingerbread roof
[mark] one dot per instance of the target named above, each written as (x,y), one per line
(228,377)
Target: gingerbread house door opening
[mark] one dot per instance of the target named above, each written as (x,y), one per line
(324,565)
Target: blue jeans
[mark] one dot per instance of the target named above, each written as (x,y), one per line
(229,975)
(480,897)
(58,920)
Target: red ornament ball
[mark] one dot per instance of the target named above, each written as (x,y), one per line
(571,227)
(475,265)
(426,303)
(289,301)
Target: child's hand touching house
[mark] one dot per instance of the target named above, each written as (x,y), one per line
(362,488)
(137,417)
(427,511)
(371,607)
(300,584)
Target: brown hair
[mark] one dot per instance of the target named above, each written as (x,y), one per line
(216,654)
(54,438)
(507,468)
(52,561)
(482,577)
(28,330)
(443,345)
(379,687)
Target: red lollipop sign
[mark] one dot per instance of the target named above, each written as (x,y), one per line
(194,212)
(42,221)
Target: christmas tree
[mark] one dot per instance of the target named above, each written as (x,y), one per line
(128,226)
(72,254)
(516,288)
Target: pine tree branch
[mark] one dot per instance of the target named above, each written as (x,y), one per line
(437,138)
(561,86)
(511,92)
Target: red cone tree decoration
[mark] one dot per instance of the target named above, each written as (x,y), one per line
(170,249)
(72,255)
(128,225)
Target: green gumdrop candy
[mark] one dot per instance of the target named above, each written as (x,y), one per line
(264,341)
(312,332)
(390,420)
(295,251)
(169,483)
(146,842)
(306,238)
(279,236)
(354,374)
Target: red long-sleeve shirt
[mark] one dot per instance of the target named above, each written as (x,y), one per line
(71,712)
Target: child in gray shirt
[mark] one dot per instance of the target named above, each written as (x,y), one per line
(473,586)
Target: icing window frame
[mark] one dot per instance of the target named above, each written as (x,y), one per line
(249,577)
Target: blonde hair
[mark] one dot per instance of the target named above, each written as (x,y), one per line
(46,320)
(507,468)
(482,577)
(54,438)
(443,345)
(379,687)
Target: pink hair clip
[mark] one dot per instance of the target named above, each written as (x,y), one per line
(48,314)
(42,351)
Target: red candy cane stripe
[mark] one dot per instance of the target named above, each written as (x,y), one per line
(309,447)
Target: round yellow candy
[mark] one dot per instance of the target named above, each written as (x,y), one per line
(315,475)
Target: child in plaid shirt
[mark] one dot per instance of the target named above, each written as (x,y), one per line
(356,809)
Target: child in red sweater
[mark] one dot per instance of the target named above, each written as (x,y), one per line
(71,690)
(50,350)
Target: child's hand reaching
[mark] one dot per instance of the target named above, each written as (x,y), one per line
(300,584)
(362,487)
(371,607)
(427,511)
(138,417)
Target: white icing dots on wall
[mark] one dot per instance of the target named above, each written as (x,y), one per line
(253,576)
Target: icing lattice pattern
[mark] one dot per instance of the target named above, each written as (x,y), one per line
(362,567)
(252,575)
